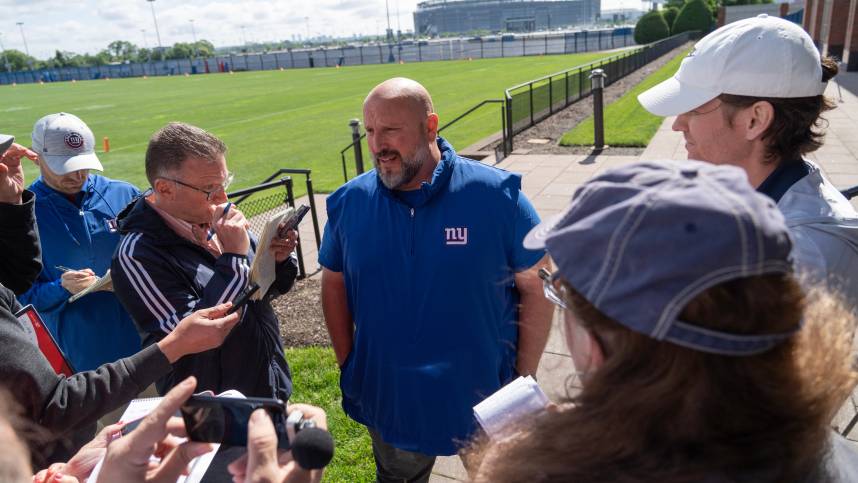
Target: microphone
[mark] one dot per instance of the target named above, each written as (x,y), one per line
(313,448)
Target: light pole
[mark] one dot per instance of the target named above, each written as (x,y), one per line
(194,34)
(5,59)
(155,20)
(243,37)
(26,49)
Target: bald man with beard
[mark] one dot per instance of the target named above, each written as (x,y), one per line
(430,299)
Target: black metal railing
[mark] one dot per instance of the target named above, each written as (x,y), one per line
(255,205)
(530,102)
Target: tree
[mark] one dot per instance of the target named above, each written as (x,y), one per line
(18,60)
(695,15)
(670,14)
(651,27)
(122,50)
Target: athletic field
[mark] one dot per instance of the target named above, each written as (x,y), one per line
(269,119)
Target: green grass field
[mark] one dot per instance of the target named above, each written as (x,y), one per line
(269,119)
(627,123)
(316,380)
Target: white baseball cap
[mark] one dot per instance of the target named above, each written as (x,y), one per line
(758,57)
(65,143)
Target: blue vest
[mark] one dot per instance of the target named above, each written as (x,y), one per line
(431,291)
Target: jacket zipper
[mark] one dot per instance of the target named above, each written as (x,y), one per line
(412,231)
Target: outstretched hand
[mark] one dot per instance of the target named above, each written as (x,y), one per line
(12,173)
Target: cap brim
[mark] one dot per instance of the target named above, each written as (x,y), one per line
(62,165)
(5,141)
(672,98)
(535,239)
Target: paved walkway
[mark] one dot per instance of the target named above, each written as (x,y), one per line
(550,180)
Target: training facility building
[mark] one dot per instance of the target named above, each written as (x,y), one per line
(434,17)
(833,24)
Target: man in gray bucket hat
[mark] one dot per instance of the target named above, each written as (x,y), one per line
(700,356)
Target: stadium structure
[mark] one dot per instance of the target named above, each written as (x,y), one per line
(434,17)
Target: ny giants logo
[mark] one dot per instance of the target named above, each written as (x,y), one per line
(74,140)
(456,236)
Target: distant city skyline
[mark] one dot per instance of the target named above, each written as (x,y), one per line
(87,26)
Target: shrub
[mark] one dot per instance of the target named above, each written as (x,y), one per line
(695,15)
(651,27)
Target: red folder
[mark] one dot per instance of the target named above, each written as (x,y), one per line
(47,344)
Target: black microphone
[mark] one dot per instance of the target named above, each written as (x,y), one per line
(313,448)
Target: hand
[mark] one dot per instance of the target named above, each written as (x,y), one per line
(54,474)
(231,230)
(84,461)
(12,173)
(128,458)
(202,330)
(76,280)
(262,463)
(108,287)
(282,247)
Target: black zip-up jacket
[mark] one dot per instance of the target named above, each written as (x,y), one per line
(161,277)
(67,406)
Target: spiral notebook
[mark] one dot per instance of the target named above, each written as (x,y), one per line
(139,408)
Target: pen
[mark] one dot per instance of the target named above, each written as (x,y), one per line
(64,269)
(225,211)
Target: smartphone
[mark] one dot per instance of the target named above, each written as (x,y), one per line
(292,222)
(224,420)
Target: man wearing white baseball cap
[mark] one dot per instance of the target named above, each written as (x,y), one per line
(77,212)
(750,94)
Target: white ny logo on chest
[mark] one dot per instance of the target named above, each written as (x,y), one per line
(456,236)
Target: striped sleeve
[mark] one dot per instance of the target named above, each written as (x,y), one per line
(156,289)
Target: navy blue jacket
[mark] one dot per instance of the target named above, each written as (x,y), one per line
(161,278)
(95,329)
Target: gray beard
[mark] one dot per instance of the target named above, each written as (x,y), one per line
(409,169)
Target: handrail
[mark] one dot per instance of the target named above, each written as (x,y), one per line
(599,61)
(487,101)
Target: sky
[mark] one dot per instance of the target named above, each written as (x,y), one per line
(89,25)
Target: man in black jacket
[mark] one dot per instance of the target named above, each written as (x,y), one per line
(70,406)
(183,248)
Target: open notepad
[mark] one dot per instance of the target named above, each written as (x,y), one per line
(99,283)
(139,408)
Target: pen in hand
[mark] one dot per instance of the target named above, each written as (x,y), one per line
(225,211)
(64,269)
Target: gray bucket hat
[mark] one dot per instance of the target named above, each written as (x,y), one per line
(641,241)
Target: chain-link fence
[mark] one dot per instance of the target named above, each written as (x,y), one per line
(531,102)
(507,45)
(260,202)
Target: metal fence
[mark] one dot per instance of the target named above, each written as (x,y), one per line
(508,45)
(261,201)
(531,102)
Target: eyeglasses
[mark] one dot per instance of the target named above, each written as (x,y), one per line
(550,291)
(209,193)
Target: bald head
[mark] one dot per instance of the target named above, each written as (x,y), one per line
(406,93)
(401,132)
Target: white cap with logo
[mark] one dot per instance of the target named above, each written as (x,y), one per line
(65,143)
(759,57)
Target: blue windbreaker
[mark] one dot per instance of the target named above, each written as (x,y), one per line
(429,278)
(95,329)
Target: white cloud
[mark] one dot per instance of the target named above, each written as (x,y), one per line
(89,25)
